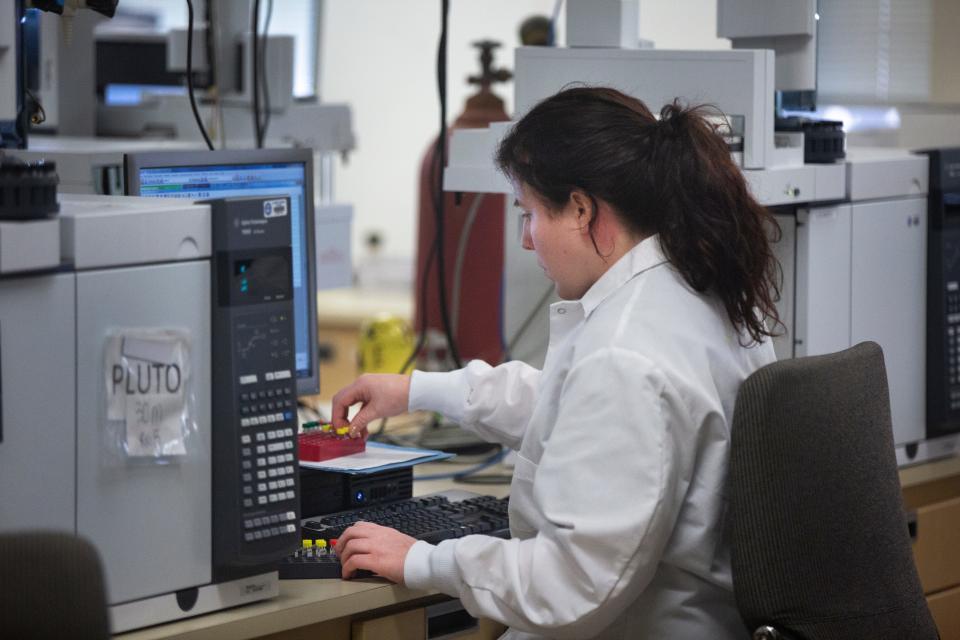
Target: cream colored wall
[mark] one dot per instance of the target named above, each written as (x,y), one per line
(945,81)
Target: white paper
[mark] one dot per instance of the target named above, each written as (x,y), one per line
(373,457)
(146,379)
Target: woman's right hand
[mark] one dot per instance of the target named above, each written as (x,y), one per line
(382,395)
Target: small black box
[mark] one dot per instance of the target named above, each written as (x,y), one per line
(324,492)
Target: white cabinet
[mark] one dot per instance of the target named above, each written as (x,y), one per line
(861,275)
(888,301)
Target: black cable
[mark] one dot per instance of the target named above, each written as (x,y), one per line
(485,478)
(264,85)
(21,122)
(255,73)
(459,475)
(422,338)
(422,302)
(209,46)
(34,109)
(193,99)
(527,322)
(437,199)
(440,158)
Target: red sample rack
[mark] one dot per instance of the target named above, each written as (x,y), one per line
(320,442)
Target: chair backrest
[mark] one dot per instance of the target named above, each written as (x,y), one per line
(52,587)
(819,540)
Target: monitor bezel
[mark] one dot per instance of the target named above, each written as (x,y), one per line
(133,163)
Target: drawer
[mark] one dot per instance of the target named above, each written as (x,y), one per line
(935,546)
(945,608)
(449,620)
(406,625)
(443,621)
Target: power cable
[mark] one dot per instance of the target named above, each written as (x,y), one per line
(440,160)
(264,85)
(527,322)
(213,90)
(255,73)
(422,338)
(460,475)
(36,111)
(461,256)
(193,99)
(437,199)
(209,44)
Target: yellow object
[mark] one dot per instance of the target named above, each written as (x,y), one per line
(322,543)
(307,544)
(326,427)
(386,342)
(342,431)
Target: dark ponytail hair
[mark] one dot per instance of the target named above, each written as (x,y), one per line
(672,176)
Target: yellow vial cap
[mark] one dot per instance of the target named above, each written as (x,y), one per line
(326,427)
(342,431)
(307,544)
(322,544)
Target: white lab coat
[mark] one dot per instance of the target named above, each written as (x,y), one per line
(617,500)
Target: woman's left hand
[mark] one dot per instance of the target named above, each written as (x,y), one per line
(375,548)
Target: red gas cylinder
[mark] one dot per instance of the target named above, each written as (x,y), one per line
(473,281)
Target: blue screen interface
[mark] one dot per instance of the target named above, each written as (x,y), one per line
(230,181)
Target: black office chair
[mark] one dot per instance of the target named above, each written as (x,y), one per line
(51,586)
(820,547)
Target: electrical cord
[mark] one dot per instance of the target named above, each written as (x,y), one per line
(264,85)
(37,114)
(255,73)
(213,90)
(501,319)
(311,413)
(527,322)
(193,99)
(437,199)
(422,303)
(460,475)
(422,338)
(440,159)
(485,478)
(208,43)
(461,256)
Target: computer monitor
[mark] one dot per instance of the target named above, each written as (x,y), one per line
(203,175)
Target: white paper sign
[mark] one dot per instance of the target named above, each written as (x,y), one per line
(147,374)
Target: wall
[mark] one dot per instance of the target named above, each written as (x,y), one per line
(379,56)
(945,51)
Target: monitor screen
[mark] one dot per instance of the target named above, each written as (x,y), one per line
(206,175)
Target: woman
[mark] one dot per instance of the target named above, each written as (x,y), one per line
(667,280)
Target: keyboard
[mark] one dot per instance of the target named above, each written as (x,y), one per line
(429,518)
